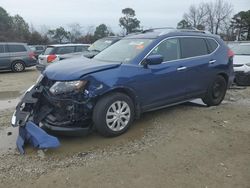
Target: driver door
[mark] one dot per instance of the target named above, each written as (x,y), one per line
(164,83)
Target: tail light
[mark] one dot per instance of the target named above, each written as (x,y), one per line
(230,53)
(32,55)
(51,58)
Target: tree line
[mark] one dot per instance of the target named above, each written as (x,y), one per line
(16,29)
(217,18)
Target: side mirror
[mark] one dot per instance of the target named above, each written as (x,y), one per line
(153,60)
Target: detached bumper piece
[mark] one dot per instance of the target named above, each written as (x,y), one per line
(29,132)
(35,136)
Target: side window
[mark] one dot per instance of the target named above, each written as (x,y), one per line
(169,49)
(66,50)
(212,45)
(191,47)
(16,48)
(1,48)
(80,48)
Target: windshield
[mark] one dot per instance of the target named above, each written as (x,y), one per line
(48,50)
(124,50)
(243,49)
(100,45)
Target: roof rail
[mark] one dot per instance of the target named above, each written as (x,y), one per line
(158,28)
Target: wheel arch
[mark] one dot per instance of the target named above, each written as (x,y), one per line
(224,75)
(127,91)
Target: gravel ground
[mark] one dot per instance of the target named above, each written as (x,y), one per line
(188,145)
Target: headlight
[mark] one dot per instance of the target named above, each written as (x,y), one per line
(68,87)
(248,64)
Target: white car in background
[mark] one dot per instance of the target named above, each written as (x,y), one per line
(57,52)
(241,63)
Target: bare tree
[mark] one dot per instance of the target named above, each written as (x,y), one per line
(196,15)
(75,31)
(217,15)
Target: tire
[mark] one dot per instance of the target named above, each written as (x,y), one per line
(113,114)
(18,66)
(216,92)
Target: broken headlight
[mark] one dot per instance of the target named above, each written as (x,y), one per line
(68,87)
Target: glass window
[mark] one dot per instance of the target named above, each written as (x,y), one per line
(124,50)
(100,45)
(169,49)
(65,50)
(241,49)
(49,50)
(191,47)
(212,45)
(39,48)
(81,48)
(16,48)
(1,48)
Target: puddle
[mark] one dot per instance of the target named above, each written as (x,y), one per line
(9,94)
(8,138)
(10,103)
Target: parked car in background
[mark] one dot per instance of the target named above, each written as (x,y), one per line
(100,45)
(37,49)
(139,73)
(57,52)
(16,56)
(241,63)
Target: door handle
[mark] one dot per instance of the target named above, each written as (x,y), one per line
(212,61)
(181,68)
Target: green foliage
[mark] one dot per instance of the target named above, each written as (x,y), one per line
(241,22)
(101,31)
(183,24)
(128,21)
(59,35)
(20,28)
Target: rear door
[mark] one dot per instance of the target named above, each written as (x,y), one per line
(4,57)
(17,52)
(194,54)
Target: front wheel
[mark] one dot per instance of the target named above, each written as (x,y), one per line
(216,92)
(113,114)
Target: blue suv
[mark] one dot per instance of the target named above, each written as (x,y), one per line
(142,72)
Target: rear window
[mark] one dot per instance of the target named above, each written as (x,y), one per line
(212,45)
(1,48)
(191,47)
(65,50)
(16,48)
(49,51)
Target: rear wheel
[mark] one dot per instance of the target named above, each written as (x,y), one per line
(216,92)
(113,114)
(18,66)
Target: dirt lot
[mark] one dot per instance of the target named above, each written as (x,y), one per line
(188,145)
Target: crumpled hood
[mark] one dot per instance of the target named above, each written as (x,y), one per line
(75,68)
(241,59)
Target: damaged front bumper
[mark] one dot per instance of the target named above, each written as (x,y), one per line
(69,116)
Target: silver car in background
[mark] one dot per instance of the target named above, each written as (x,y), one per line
(57,52)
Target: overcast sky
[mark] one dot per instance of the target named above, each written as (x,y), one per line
(151,13)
